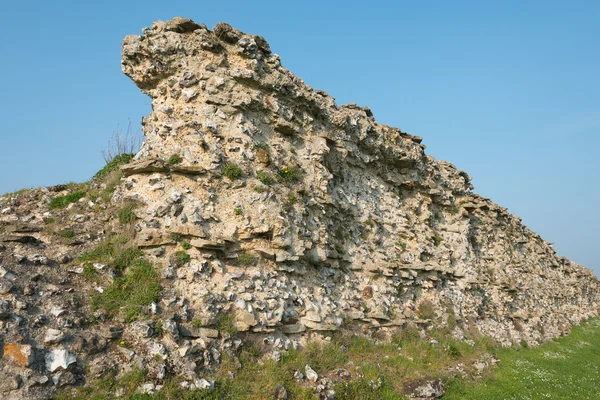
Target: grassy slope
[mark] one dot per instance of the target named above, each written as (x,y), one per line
(568,368)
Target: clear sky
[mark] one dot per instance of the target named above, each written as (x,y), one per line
(508,91)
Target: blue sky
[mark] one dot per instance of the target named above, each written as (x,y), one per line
(508,91)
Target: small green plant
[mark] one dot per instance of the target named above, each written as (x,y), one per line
(158,328)
(246,259)
(232,171)
(177,237)
(473,241)
(174,159)
(290,174)
(292,150)
(402,245)
(63,201)
(264,177)
(182,257)
(453,350)
(436,240)
(67,234)
(403,235)
(126,257)
(292,199)
(126,214)
(186,245)
(89,272)
(238,211)
(426,310)
(49,220)
(113,165)
(197,324)
(114,251)
(139,287)
(226,323)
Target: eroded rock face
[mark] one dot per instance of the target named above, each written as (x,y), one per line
(343,218)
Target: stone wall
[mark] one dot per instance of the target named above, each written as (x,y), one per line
(344,219)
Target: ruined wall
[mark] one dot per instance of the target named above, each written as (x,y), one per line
(335,218)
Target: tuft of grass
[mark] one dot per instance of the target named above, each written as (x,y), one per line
(247,259)
(177,237)
(63,201)
(182,257)
(113,250)
(174,159)
(238,211)
(292,199)
(49,220)
(232,171)
(90,273)
(139,287)
(426,310)
(264,177)
(126,257)
(67,234)
(290,174)
(226,323)
(158,328)
(436,240)
(126,214)
(113,165)
(186,245)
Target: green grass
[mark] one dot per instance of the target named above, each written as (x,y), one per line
(247,259)
(63,201)
(182,257)
(139,287)
(90,273)
(566,368)
(126,214)
(126,257)
(174,159)
(114,251)
(232,171)
(290,174)
(113,165)
(264,177)
(67,234)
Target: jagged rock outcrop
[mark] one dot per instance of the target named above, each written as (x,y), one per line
(264,208)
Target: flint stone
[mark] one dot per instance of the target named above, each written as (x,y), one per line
(58,359)
(427,388)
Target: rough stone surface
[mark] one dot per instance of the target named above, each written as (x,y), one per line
(22,355)
(337,210)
